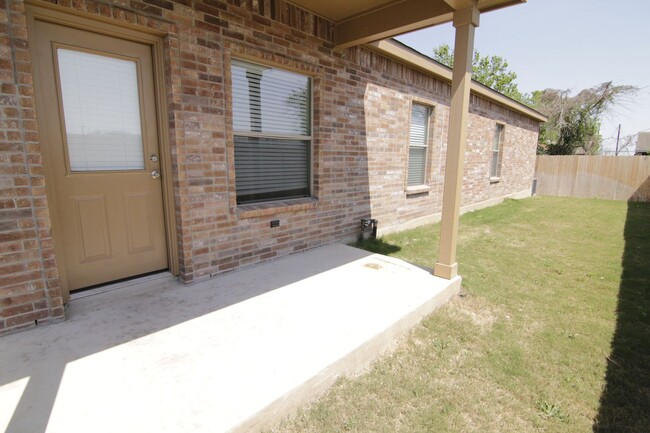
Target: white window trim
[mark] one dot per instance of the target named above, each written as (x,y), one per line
(280,202)
(424,186)
(497,148)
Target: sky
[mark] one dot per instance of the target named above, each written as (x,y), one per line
(567,44)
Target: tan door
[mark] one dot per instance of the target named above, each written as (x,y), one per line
(96,109)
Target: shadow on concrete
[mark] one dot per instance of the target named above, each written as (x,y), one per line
(100,322)
(378,246)
(625,401)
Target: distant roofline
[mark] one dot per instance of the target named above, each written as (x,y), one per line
(405,54)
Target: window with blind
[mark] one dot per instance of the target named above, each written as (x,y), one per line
(495,164)
(272,133)
(418,138)
(101,105)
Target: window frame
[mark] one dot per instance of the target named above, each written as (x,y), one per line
(498,139)
(427,145)
(234,133)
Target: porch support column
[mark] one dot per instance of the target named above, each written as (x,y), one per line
(465,21)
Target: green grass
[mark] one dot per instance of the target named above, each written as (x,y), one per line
(551,332)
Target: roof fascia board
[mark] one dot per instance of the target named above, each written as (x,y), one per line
(407,55)
(403,16)
(390,20)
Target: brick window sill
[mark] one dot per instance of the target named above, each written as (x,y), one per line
(495,179)
(275,207)
(417,189)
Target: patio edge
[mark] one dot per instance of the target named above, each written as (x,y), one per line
(352,364)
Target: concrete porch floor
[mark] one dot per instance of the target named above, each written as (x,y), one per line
(235,353)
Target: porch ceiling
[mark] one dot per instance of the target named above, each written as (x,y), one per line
(361,21)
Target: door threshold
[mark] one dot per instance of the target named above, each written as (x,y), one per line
(84,293)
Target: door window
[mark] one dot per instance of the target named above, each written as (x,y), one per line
(101,107)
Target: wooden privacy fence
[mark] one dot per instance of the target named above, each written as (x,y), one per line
(608,177)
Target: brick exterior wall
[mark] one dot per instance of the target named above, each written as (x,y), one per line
(361,106)
(388,107)
(29,284)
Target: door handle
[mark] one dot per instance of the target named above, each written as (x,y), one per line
(155,174)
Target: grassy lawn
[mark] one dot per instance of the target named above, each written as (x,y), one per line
(551,332)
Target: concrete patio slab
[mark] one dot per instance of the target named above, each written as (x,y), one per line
(234,353)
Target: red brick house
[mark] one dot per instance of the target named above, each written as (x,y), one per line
(202,136)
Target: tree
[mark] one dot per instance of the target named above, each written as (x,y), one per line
(491,71)
(574,121)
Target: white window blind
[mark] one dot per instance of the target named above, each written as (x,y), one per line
(101,106)
(495,164)
(272,132)
(418,138)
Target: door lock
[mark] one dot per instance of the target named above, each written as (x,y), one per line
(155,174)
(153,158)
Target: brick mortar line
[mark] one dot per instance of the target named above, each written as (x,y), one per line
(182,224)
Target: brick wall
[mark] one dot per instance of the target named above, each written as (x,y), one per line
(361,113)
(519,149)
(387,107)
(29,287)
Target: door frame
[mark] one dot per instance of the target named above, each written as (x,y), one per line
(36,10)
